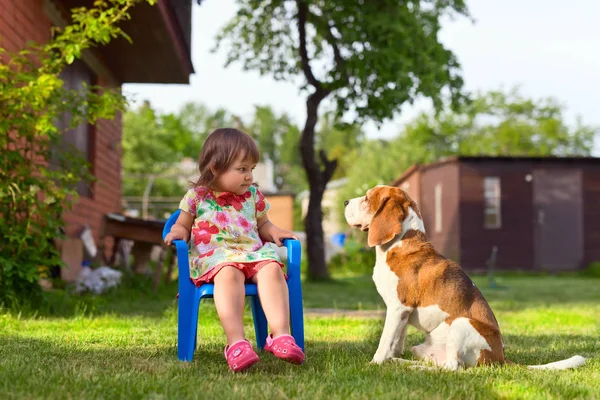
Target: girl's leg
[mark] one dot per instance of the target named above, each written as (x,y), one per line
(229,301)
(274,298)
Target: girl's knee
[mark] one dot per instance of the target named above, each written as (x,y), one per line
(229,274)
(270,271)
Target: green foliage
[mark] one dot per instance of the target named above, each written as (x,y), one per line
(147,144)
(355,260)
(170,138)
(375,55)
(198,121)
(150,147)
(277,138)
(375,162)
(338,139)
(298,221)
(499,123)
(154,144)
(592,270)
(37,182)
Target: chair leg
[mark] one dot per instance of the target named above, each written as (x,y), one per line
(296,312)
(188,326)
(260,322)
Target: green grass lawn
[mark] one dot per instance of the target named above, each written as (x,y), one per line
(123,345)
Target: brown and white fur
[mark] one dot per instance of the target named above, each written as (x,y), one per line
(422,288)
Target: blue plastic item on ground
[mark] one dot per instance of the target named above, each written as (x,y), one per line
(338,239)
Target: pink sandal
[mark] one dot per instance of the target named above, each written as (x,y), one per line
(285,347)
(240,356)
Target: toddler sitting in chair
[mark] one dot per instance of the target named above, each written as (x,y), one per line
(225,216)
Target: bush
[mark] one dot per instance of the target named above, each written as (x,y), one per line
(37,182)
(356,259)
(592,270)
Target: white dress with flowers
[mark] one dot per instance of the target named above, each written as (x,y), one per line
(225,229)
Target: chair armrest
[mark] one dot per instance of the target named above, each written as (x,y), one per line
(294,254)
(170,222)
(183,263)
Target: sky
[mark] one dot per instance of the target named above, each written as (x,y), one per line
(546,47)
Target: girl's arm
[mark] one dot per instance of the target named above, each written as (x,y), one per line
(269,232)
(181,229)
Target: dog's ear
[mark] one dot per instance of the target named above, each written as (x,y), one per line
(386,223)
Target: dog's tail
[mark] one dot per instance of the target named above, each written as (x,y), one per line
(573,362)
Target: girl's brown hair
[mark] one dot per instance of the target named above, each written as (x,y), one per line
(220,150)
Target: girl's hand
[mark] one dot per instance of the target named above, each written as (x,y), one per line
(279,234)
(181,229)
(177,233)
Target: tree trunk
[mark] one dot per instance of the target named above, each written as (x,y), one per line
(317,179)
(315,243)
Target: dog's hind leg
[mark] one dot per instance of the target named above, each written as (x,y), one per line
(435,353)
(464,345)
(434,347)
(399,340)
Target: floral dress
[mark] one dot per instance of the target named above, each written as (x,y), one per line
(225,230)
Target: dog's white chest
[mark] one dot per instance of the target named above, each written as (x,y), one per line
(385,280)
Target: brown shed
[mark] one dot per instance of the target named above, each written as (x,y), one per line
(542,213)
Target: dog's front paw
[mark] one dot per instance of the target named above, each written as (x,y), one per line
(379,358)
(451,365)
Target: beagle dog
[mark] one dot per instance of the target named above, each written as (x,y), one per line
(422,288)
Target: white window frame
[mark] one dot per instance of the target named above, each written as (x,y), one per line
(492,197)
(438,208)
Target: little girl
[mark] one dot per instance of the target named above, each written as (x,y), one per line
(224,216)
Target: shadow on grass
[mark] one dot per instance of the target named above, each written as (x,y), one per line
(57,369)
(516,293)
(132,298)
(136,297)
(542,349)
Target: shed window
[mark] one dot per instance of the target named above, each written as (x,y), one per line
(491,193)
(438,208)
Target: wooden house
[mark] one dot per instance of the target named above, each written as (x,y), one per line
(160,53)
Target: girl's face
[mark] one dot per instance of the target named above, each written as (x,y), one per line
(237,178)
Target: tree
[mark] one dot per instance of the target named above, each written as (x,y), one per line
(275,135)
(499,123)
(338,139)
(152,145)
(196,121)
(376,162)
(292,177)
(278,140)
(372,57)
(38,183)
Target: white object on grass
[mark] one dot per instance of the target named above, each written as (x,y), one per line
(97,280)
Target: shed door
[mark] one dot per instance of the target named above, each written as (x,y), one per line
(558,219)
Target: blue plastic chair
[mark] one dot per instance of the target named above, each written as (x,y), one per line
(190,296)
